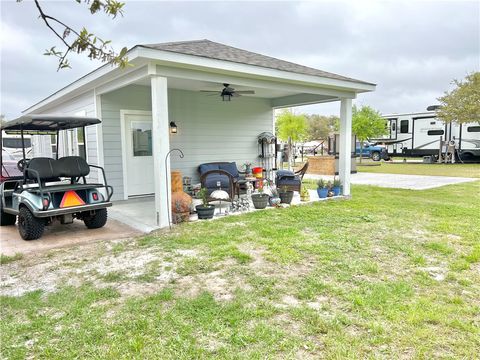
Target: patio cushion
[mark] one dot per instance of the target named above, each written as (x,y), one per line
(285,174)
(288,181)
(231,168)
(203,168)
(211,181)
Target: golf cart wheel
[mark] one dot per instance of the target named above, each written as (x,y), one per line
(96,220)
(7,219)
(376,156)
(29,227)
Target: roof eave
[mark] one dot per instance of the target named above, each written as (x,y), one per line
(139,52)
(199,61)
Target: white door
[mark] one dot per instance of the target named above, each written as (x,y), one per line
(139,155)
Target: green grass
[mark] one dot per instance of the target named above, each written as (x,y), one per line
(5,259)
(461,170)
(337,279)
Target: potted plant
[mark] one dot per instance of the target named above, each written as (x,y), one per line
(336,187)
(205,210)
(274,200)
(260,199)
(304,194)
(248,169)
(330,189)
(322,189)
(286,195)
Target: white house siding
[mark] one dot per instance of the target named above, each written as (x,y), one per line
(208,128)
(133,97)
(81,104)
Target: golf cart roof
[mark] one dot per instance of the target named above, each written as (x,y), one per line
(47,123)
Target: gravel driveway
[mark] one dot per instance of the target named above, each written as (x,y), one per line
(412,182)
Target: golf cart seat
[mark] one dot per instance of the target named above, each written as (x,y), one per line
(50,170)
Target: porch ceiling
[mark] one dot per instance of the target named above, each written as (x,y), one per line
(198,85)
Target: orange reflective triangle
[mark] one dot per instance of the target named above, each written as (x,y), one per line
(71,198)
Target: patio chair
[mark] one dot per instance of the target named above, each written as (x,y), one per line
(290,179)
(224,174)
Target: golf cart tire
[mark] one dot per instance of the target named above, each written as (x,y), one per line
(96,221)
(7,219)
(29,227)
(376,156)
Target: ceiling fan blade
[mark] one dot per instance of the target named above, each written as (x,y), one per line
(245,92)
(236,94)
(210,91)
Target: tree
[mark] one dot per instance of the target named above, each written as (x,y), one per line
(320,126)
(367,123)
(291,128)
(462,104)
(82,41)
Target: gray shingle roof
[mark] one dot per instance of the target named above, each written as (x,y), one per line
(213,50)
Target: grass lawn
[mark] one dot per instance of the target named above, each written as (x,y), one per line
(389,274)
(462,170)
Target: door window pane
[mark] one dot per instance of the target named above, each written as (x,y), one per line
(141,138)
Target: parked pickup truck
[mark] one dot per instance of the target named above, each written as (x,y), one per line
(376,152)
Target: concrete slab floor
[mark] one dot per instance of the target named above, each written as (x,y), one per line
(58,235)
(411,182)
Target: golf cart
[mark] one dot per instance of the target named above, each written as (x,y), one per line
(52,189)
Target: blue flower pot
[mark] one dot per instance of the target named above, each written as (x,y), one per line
(322,193)
(336,190)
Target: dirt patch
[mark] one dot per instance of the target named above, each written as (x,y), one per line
(93,263)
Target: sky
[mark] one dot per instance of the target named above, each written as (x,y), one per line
(412,50)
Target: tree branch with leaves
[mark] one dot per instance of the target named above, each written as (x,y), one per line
(82,41)
(291,128)
(367,123)
(462,104)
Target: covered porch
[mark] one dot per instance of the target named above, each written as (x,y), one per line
(207,130)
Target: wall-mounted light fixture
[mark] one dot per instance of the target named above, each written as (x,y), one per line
(173,127)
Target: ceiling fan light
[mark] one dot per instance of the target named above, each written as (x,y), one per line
(226,97)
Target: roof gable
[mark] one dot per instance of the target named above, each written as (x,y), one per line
(213,50)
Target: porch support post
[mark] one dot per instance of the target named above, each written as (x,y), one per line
(161,146)
(345,150)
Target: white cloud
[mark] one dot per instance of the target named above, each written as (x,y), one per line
(411,49)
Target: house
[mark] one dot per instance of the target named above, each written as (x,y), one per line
(165,88)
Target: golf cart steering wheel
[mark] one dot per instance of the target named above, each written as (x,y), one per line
(22,164)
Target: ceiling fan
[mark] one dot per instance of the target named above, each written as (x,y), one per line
(227,92)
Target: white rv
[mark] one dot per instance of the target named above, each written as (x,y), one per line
(419,134)
(12,144)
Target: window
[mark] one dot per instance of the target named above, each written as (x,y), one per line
(435,132)
(81,142)
(141,138)
(16,143)
(404,126)
(473,129)
(53,143)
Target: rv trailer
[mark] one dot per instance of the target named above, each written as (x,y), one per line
(420,134)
